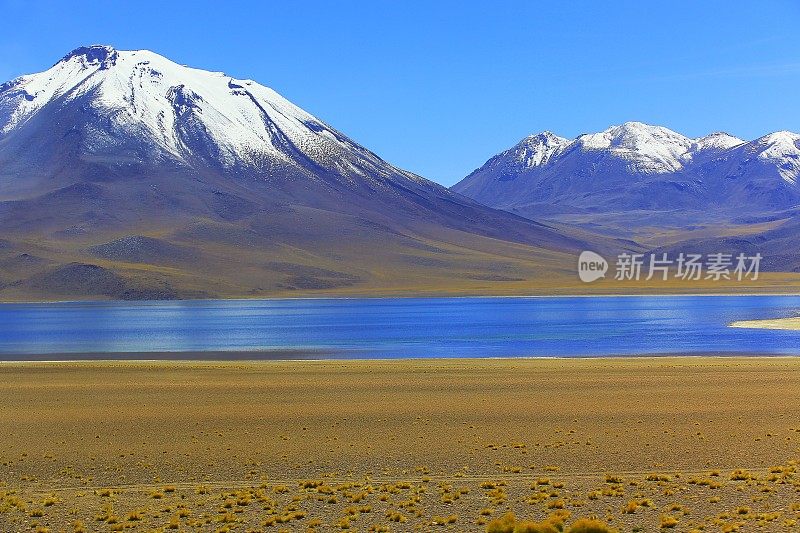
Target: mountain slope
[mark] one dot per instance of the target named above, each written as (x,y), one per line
(123,174)
(635,179)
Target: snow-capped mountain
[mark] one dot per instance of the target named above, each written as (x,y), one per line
(645,149)
(538,149)
(780,150)
(640,172)
(150,108)
(713,143)
(203,183)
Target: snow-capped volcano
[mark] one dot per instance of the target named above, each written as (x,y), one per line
(633,170)
(184,181)
(151,107)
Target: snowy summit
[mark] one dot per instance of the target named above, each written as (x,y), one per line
(184,114)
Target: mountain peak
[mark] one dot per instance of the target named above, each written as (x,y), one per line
(721,135)
(157,109)
(95,54)
(547,136)
(629,135)
(717,141)
(781,149)
(646,148)
(782,137)
(635,125)
(538,149)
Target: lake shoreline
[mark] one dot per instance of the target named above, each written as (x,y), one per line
(255,357)
(412,296)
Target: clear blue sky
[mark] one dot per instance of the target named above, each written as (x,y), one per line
(439,88)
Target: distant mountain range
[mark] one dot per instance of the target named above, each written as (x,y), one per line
(645,182)
(125,175)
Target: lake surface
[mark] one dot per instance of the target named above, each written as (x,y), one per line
(396,327)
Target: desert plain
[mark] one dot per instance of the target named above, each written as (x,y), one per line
(635,444)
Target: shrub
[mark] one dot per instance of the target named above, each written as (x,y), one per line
(668,521)
(509,524)
(505,524)
(536,527)
(740,475)
(631,507)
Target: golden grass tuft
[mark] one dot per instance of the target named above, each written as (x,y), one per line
(631,507)
(668,521)
(504,524)
(509,524)
(740,475)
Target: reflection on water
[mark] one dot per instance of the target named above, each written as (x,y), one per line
(403,327)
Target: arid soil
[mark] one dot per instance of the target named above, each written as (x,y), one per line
(640,444)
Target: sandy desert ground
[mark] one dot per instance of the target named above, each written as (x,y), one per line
(643,444)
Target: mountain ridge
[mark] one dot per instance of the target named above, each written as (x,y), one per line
(604,178)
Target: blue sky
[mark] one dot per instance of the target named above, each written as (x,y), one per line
(439,88)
